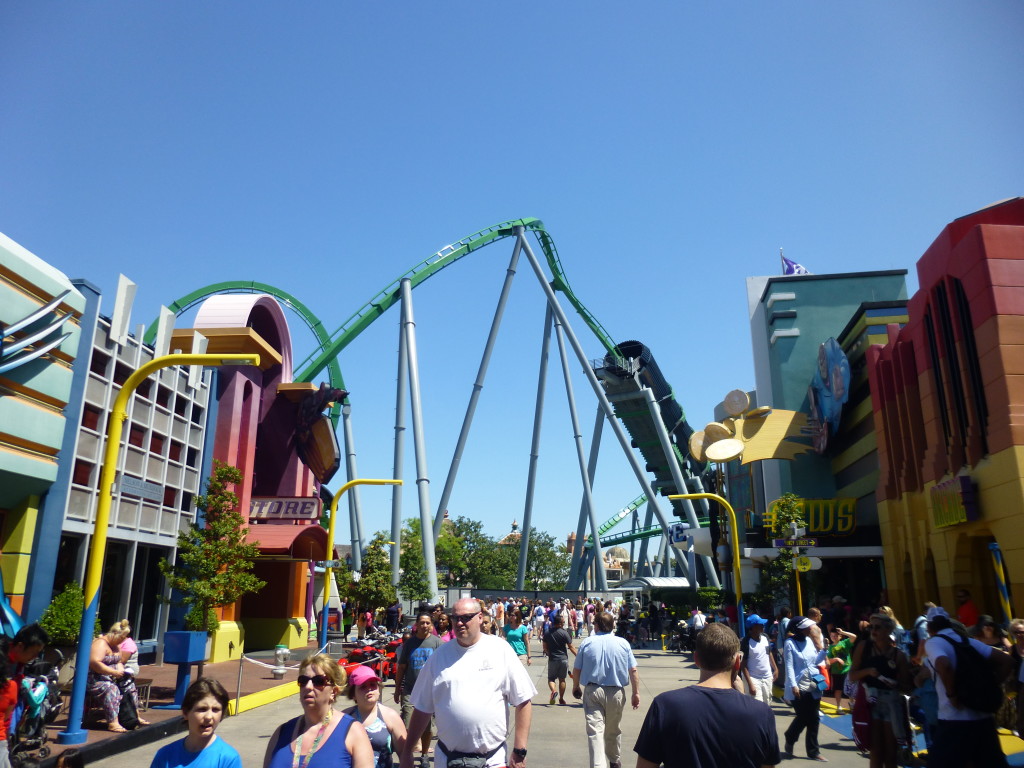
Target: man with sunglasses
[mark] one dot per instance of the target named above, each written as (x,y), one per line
(467,685)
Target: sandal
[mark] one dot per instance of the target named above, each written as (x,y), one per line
(117,728)
(144,722)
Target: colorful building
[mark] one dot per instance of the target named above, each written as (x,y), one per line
(40,330)
(948,394)
(810,333)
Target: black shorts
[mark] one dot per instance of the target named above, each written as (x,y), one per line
(558,669)
(838,678)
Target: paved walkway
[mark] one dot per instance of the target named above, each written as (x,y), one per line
(557,738)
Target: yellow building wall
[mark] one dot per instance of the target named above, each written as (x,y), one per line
(927,563)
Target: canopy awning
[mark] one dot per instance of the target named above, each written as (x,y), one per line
(655,582)
(297,542)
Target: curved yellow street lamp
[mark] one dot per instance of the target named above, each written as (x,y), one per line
(94,570)
(737,578)
(329,571)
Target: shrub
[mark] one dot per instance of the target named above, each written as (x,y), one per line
(62,618)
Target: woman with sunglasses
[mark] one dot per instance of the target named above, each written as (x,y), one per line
(320,737)
(991,634)
(205,703)
(883,670)
(384,726)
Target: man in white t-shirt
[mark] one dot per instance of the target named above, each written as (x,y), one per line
(468,686)
(698,620)
(964,737)
(759,669)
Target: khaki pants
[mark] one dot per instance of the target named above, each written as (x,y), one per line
(602,708)
(763,688)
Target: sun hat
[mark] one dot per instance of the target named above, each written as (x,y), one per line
(802,622)
(361,675)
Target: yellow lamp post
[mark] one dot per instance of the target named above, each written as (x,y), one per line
(94,570)
(329,571)
(737,578)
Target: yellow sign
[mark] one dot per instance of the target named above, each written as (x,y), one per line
(802,563)
(832,516)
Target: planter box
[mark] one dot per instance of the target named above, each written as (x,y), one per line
(185,647)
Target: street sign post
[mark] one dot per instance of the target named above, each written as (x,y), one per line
(806,541)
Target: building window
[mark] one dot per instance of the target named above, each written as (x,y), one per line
(156,444)
(169,494)
(136,436)
(163,396)
(99,362)
(193,458)
(197,414)
(174,452)
(82,473)
(91,416)
(979,405)
(121,373)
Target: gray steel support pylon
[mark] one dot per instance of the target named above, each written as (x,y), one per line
(399,459)
(355,517)
(422,479)
(577,572)
(601,581)
(478,385)
(531,477)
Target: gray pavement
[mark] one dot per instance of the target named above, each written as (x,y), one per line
(557,736)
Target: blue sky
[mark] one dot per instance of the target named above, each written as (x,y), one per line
(670,148)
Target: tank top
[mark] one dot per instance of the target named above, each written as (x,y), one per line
(380,740)
(331,754)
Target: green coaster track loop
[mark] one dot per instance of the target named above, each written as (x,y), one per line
(329,346)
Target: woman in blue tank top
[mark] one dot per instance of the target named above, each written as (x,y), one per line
(320,737)
(383,725)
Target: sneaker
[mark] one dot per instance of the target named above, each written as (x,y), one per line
(553,699)
(788,748)
(819,758)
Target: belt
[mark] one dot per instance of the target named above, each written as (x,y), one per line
(605,685)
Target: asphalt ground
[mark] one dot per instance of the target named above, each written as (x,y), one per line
(557,735)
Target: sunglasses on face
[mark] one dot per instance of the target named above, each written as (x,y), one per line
(318,681)
(464,618)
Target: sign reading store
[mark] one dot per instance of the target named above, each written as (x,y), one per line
(284,508)
(955,501)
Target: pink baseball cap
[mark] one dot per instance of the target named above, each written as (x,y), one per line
(360,676)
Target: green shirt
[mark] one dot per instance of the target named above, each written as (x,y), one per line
(841,650)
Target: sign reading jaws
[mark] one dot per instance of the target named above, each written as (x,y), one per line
(284,508)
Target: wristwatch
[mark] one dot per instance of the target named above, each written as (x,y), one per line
(519,752)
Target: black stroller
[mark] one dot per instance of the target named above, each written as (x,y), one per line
(39,704)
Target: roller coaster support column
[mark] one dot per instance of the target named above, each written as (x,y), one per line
(531,479)
(642,561)
(354,515)
(422,480)
(396,492)
(588,495)
(74,733)
(677,478)
(329,570)
(576,569)
(737,574)
(602,397)
(478,385)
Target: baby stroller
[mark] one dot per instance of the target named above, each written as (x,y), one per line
(39,704)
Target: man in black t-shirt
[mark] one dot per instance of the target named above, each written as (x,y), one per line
(709,724)
(412,657)
(557,644)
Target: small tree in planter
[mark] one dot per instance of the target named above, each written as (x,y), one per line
(214,563)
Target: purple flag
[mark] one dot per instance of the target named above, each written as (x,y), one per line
(790,267)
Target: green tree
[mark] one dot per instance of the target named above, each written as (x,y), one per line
(213,567)
(374,589)
(547,563)
(412,582)
(777,576)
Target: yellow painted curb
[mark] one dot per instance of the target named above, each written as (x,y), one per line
(258,699)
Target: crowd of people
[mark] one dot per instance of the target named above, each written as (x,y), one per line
(461,672)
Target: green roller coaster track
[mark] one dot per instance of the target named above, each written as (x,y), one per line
(329,346)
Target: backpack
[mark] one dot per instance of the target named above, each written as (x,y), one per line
(976,684)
